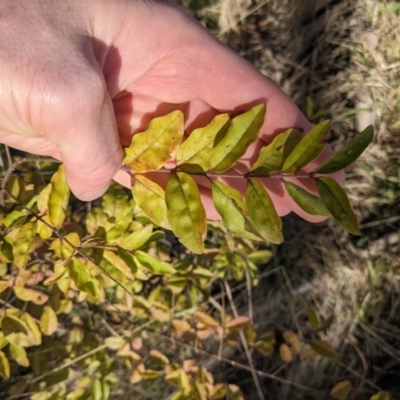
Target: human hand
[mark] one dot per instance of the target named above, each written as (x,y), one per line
(79,77)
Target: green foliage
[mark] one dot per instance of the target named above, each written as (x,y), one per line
(216,148)
(96,288)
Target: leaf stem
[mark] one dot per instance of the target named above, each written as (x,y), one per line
(275,175)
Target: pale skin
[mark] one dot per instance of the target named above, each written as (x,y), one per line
(78,78)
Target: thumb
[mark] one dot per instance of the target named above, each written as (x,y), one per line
(90,149)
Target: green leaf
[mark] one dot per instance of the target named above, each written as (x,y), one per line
(48,321)
(263,213)
(233,210)
(114,201)
(22,243)
(155,266)
(341,390)
(150,197)
(382,395)
(336,201)
(83,279)
(15,218)
(326,324)
(34,333)
(149,150)
(195,153)
(64,249)
(323,348)
(96,218)
(348,154)
(312,318)
(4,366)
(116,227)
(115,266)
(271,157)
(137,238)
(19,355)
(185,211)
(58,198)
(11,324)
(244,131)
(260,256)
(308,149)
(43,199)
(306,201)
(16,186)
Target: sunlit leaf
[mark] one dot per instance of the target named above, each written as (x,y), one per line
(22,243)
(34,332)
(18,353)
(244,131)
(293,340)
(150,149)
(149,374)
(4,285)
(11,324)
(285,353)
(113,265)
(262,212)
(218,392)
(15,218)
(42,229)
(15,186)
(206,319)
(95,219)
(348,154)
(117,226)
(382,395)
(323,348)
(336,201)
(27,294)
(260,256)
(83,279)
(43,199)
(137,238)
(272,157)
(58,198)
(306,201)
(154,265)
(150,197)
(308,149)
(195,153)
(238,322)
(233,210)
(234,393)
(185,211)
(158,358)
(48,321)
(64,248)
(54,278)
(341,390)
(4,366)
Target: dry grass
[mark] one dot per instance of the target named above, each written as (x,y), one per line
(344,55)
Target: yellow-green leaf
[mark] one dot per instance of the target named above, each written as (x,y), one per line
(11,324)
(206,319)
(341,390)
(15,218)
(185,211)
(260,256)
(158,358)
(43,230)
(58,198)
(117,226)
(83,279)
(312,318)
(27,294)
(150,149)
(195,153)
(306,201)
(18,353)
(155,266)
(150,197)
(336,201)
(323,348)
(48,321)
(262,212)
(348,154)
(233,210)
(137,238)
(113,265)
(43,199)
(218,392)
(272,157)
(34,333)
(285,353)
(243,131)
(16,186)
(64,249)
(96,218)
(308,149)
(4,366)
(382,395)
(293,341)
(22,243)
